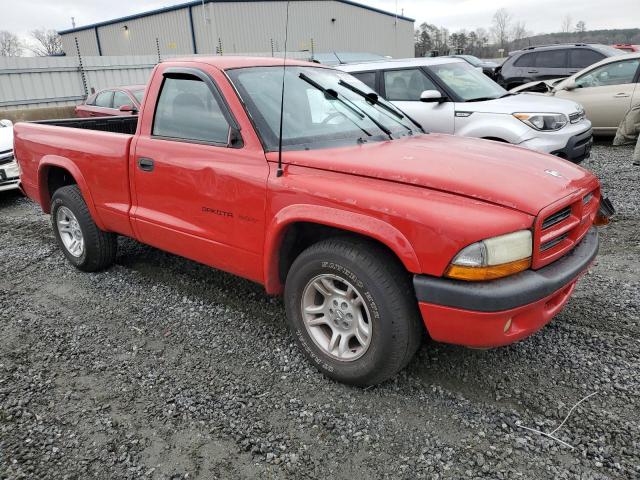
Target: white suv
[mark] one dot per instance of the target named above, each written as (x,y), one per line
(448,95)
(9,174)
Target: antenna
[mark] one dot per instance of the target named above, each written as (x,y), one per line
(284,71)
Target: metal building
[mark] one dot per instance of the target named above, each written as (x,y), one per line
(247,26)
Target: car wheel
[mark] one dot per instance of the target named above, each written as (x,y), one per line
(351,308)
(86,246)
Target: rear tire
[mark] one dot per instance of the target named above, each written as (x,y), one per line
(86,246)
(363,282)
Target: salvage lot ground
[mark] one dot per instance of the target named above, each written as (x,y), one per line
(163,368)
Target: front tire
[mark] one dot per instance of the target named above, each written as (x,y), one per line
(86,246)
(351,309)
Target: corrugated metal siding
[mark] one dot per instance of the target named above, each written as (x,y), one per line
(57,81)
(250,27)
(171,28)
(86,42)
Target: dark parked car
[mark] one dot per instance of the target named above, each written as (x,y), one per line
(550,61)
(488,68)
(113,101)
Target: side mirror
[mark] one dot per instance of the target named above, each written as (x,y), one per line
(480,69)
(6,123)
(128,109)
(569,85)
(432,96)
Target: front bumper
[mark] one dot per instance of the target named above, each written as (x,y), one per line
(578,147)
(9,176)
(500,312)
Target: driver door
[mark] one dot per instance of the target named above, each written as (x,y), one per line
(605,92)
(403,88)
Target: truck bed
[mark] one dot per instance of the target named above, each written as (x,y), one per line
(125,124)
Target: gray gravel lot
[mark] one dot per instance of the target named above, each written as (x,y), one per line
(163,368)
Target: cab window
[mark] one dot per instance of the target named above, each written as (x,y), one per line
(188,110)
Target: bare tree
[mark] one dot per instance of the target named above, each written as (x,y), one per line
(47,42)
(567,23)
(519,32)
(501,27)
(581,27)
(10,44)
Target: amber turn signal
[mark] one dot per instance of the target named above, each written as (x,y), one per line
(475,274)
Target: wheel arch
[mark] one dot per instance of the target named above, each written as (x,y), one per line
(55,172)
(292,230)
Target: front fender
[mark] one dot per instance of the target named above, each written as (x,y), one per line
(331,217)
(494,126)
(49,161)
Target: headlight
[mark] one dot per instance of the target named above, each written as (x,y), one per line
(543,121)
(493,258)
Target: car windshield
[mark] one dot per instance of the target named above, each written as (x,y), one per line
(467,82)
(471,59)
(139,94)
(322,108)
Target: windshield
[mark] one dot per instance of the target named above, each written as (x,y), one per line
(322,108)
(466,82)
(139,94)
(471,59)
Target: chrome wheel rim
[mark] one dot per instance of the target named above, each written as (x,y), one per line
(70,232)
(336,317)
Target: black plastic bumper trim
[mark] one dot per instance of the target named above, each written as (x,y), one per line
(578,147)
(511,292)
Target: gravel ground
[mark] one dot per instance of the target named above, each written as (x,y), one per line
(163,368)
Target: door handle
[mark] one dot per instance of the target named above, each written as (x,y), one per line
(145,164)
(532,71)
(621,95)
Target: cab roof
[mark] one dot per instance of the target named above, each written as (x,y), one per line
(228,62)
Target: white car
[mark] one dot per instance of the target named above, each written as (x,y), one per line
(9,173)
(447,95)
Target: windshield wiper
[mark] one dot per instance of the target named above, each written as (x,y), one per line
(374,99)
(482,99)
(331,93)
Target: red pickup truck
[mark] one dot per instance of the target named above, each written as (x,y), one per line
(371,228)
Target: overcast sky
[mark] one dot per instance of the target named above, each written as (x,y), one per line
(21,16)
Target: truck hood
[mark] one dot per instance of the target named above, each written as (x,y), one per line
(6,138)
(497,173)
(523,103)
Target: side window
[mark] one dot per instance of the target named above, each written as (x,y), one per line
(552,59)
(526,60)
(104,99)
(368,78)
(120,98)
(617,73)
(188,110)
(406,85)
(583,57)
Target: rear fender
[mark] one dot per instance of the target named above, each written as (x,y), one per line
(344,220)
(49,161)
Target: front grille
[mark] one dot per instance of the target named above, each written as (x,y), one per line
(553,243)
(8,159)
(557,217)
(562,225)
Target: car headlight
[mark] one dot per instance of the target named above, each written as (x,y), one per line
(493,258)
(543,121)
